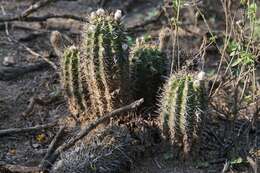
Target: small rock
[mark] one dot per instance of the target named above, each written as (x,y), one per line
(8,61)
(201,76)
(36,145)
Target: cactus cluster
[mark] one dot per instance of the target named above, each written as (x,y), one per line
(182,105)
(95,76)
(96,79)
(148,71)
(105,65)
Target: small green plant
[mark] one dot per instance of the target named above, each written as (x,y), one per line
(240,55)
(182,106)
(251,11)
(148,70)
(257,30)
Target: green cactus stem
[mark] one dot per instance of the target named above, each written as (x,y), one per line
(105,65)
(70,64)
(182,106)
(148,71)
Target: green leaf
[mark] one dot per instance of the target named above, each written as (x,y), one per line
(211,72)
(238,160)
(236,62)
(252,8)
(202,164)
(130,40)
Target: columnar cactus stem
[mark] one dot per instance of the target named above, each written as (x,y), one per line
(105,64)
(71,79)
(148,70)
(95,76)
(181,109)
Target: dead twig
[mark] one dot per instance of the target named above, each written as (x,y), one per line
(33,52)
(12,39)
(40,101)
(49,16)
(33,8)
(8,168)
(12,131)
(44,163)
(226,167)
(252,163)
(88,128)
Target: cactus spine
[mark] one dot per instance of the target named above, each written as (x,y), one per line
(181,109)
(148,69)
(105,64)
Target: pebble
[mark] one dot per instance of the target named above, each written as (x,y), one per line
(8,61)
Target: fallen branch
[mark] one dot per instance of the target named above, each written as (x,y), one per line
(9,73)
(33,52)
(33,8)
(49,16)
(253,164)
(88,128)
(44,163)
(12,131)
(8,168)
(30,10)
(40,101)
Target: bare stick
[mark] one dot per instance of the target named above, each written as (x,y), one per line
(46,17)
(44,163)
(226,167)
(252,163)
(18,168)
(35,7)
(28,11)
(33,52)
(38,101)
(88,128)
(24,130)
(12,39)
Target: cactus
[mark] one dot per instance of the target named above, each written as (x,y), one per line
(71,80)
(148,69)
(95,76)
(105,65)
(181,112)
